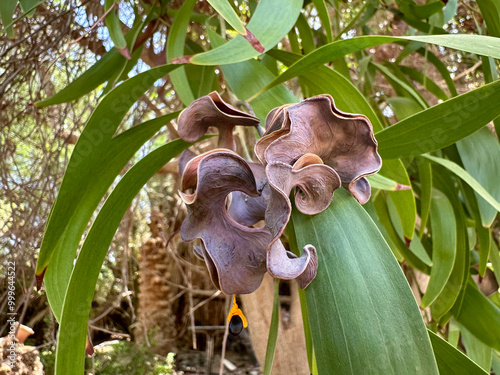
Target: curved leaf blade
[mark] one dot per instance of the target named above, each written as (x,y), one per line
(480,316)
(444,241)
(471,181)
(441,125)
(443,181)
(114,28)
(476,350)
(265,28)
(452,361)
(175,48)
(481,45)
(248,77)
(70,355)
(227,12)
(360,305)
(7,10)
(480,154)
(404,200)
(95,162)
(324,80)
(273,330)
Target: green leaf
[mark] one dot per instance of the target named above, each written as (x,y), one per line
(403,107)
(471,181)
(306,35)
(360,305)
(425,178)
(458,277)
(377,181)
(113,24)
(324,80)
(97,159)
(425,81)
(490,10)
(480,154)
(324,16)
(263,25)
(248,77)
(419,261)
(444,246)
(404,200)
(450,10)
(99,73)
(227,12)
(476,350)
(273,330)
(495,259)
(483,234)
(415,245)
(292,239)
(401,84)
(7,9)
(479,316)
(452,361)
(175,48)
(441,125)
(440,66)
(29,6)
(70,355)
(481,45)
(424,11)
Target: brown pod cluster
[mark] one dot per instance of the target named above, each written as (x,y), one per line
(310,146)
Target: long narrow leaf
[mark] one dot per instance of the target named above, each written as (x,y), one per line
(70,353)
(444,248)
(467,178)
(481,45)
(403,199)
(263,25)
(362,312)
(490,10)
(417,260)
(480,154)
(324,16)
(425,178)
(480,316)
(273,331)
(441,125)
(113,24)
(227,12)
(452,361)
(248,77)
(476,350)
(175,48)
(7,9)
(443,181)
(95,162)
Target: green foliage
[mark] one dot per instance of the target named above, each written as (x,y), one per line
(439,179)
(360,286)
(119,357)
(124,357)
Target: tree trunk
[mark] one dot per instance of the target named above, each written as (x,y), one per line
(156,322)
